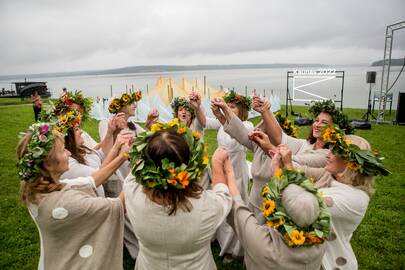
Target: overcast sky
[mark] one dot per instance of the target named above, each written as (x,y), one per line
(52,36)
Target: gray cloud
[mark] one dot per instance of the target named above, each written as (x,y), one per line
(45,35)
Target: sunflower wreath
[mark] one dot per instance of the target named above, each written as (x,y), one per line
(277,217)
(168,175)
(118,103)
(363,161)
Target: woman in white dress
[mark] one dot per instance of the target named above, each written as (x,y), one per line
(77,229)
(347,184)
(83,161)
(190,112)
(173,217)
(240,106)
(123,108)
(75,101)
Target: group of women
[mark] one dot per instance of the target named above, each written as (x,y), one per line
(153,190)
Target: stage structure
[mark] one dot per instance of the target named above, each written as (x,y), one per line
(298,82)
(385,88)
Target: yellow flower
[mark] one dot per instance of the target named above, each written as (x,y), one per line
(181,130)
(70,113)
(278,172)
(174,122)
(205,160)
(58,129)
(288,239)
(156,127)
(268,207)
(297,237)
(311,238)
(138,96)
(347,142)
(125,98)
(196,135)
(320,194)
(265,190)
(353,166)
(275,223)
(63,119)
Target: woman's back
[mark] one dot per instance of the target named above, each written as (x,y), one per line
(181,240)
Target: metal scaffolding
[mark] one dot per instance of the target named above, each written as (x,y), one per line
(389,37)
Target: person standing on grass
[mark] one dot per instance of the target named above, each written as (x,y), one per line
(36,104)
(240,106)
(347,184)
(173,217)
(190,112)
(77,229)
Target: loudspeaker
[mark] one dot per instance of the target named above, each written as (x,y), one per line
(370,78)
(400,119)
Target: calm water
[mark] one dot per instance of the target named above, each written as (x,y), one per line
(355,86)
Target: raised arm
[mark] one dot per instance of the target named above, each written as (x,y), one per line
(234,126)
(195,101)
(101,175)
(271,126)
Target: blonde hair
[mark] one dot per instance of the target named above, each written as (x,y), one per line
(301,205)
(354,178)
(42,183)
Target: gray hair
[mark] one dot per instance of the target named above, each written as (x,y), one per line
(301,205)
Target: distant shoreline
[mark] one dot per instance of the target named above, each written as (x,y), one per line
(157,68)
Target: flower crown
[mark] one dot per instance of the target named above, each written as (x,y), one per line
(277,217)
(182,102)
(168,176)
(67,121)
(62,105)
(29,166)
(338,117)
(118,103)
(289,128)
(363,161)
(233,97)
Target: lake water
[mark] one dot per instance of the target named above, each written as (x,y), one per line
(275,79)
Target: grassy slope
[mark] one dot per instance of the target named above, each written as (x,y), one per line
(378,242)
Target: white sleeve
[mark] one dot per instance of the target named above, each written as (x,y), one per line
(102,128)
(296,145)
(212,123)
(77,170)
(80,181)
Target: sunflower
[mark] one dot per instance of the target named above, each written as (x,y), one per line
(353,166)
(265,190)
(288,240)
(268,207)
(63,119)
(311,238)
(156,127)
(173,122)
(196,135)
(181,130)
(278,172)
(275,223)
(297,237)
(205,160)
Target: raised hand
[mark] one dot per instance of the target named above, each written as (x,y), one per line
(261,139)
(195,100)
(260,105)
(153,117)
(286,155)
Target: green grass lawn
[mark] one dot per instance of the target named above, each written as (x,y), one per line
(379,242)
